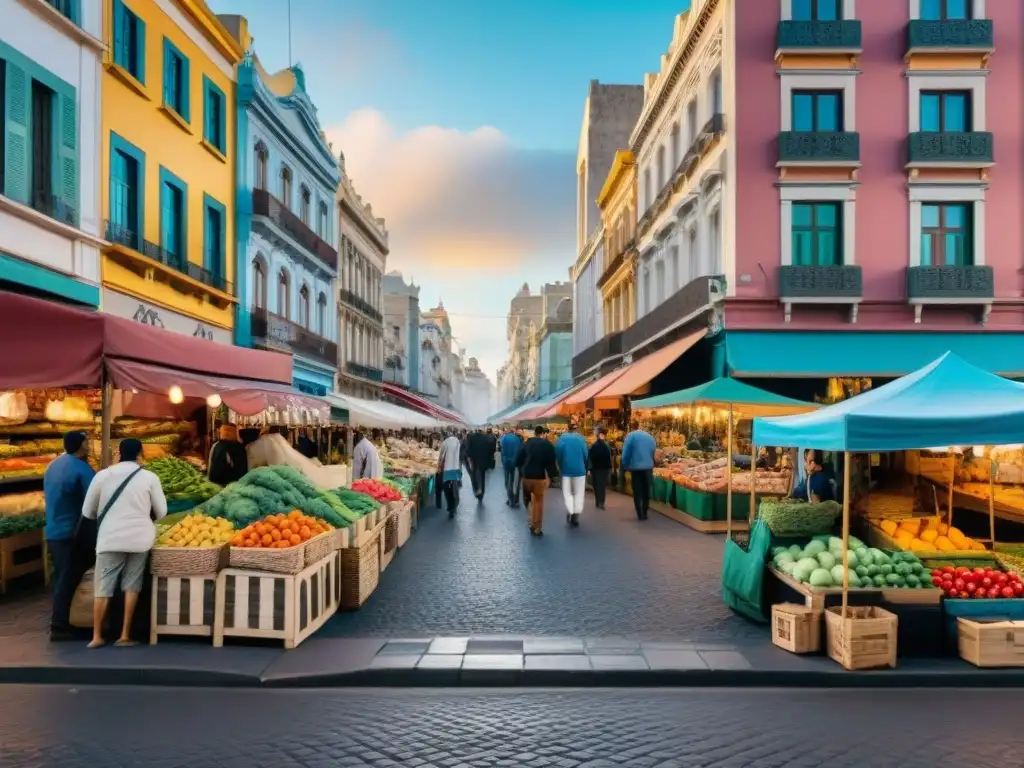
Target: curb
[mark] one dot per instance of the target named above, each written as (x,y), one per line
(413,678)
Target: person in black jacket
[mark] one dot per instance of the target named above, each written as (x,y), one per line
(537,466)
(478,447)
(600,459)
(228,460)
(492,447)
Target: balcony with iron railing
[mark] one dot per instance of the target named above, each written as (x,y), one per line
(950,36)
(122,236)
(827,284)
(964,149)
(266,205)
(813,36)
(951,285)
(272,331)
(54,207)
(364,371)
(819,148)
(350,298)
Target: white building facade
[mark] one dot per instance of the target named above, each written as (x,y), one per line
(588,308)
(681,146)
(290,176)
(479,397)
(401,332)
(50,81)
(363,253)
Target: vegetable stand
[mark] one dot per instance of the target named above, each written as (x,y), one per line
(979,408)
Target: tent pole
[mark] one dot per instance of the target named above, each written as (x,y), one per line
(728,477)
(846,530)
(952,480)
(107,396)
(992,500)
(753,466)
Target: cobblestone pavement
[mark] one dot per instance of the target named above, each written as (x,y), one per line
(151,728)
(483,573)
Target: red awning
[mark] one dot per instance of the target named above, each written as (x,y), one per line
(45,344)
(640,373)
(420,403)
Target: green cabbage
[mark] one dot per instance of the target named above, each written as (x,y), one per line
(820,578)
(827,560)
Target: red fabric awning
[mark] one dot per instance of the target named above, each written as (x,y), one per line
(45,344)
(243,396)
(421,404)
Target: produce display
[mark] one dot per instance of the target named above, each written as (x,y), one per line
(25,467)
(12,526)
(181,480)
(408,458)
(928,534)
(404,485)
(789,517)
(359,503)
(13,504)
(280,531)
(710,476)
(196,530)
(977,583)
(820,564)
(379,490)
(276,490)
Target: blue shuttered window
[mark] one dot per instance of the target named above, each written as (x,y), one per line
(127,182)
(214,116)
(173,219)
(817,234)
(176,81)
(129,41)
(16,126)
(65,171)
(214,238)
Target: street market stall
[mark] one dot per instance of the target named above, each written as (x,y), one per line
(949,402)
(698,485)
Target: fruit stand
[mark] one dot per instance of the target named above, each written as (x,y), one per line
(701,488)
(977,408)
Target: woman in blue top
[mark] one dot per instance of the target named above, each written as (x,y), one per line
(815,487)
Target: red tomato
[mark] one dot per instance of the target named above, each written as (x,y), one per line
(1006,591)
(979,594)
(993,593)
(968,588)
(1018,589)
(986,582)
(959,584)
(962,570)
(936,581)
(953,593)
(949,569)
(1001,578)
(979,571)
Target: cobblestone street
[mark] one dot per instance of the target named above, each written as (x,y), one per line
(483,574)
(60,728)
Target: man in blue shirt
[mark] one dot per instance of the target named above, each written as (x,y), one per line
(509,446)
(815,487)
(65,482)
(571,455)
(638,459)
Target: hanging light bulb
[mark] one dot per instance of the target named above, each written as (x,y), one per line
(676,413)
(979,451)
(176,395)
(213,401)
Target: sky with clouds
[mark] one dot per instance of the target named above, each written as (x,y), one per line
(459,121)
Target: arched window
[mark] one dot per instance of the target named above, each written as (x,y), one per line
(321,315)
(321,220)
(260,165)
(304,199)
(674,156)
(303,318)
(660,170)
(259,284)
(283,294)
(286,186)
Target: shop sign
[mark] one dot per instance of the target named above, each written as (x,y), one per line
(119,304)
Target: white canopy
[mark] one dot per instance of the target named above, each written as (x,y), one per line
(377,414)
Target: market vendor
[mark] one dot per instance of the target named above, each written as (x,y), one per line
(815,487)
(365,458)
(228,460)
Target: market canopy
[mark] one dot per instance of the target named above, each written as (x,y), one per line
(421,404)
(949,402)
(724,393)
(379,414)
(639,374)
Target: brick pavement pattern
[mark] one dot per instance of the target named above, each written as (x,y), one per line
(161,728)
(483,574)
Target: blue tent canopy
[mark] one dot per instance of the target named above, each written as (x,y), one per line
(949,402)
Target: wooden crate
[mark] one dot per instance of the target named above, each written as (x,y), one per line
(360,570)
(183,605)
(863,638)
(277,606)
(796,628)
(21,555)
(991,643)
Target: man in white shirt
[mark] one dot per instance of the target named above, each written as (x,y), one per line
(365,459)
(449,470)
(125,500)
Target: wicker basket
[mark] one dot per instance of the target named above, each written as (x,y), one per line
(290,560)
(319,547)
(360,572)
(342,537)
(391,531)
(187,561)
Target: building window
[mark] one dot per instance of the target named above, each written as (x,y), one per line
(817,111)
(945,111)
(304,307)
(715,92)
(214,236)
(214,116)
(648,197)
(259,284)
(286,186)
(129,41)
(260,166)
(304,200)
(661,170)
(674,144)
(691,117)
(941,10)
(817,10)
(321,315)
(283,294)
(321,220)
(127,170)
(42,148)
(817,234)
(176,77)
(67,8)
(173,196)
(946,235)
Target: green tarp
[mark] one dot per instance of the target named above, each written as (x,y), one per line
(722,392)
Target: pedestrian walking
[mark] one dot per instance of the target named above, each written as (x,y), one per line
(571,455)
(638,459)
(65,484)
(449,471)
(492,448)
(537,465)
(125,500)
(478,448)
(600,461)
(509,445)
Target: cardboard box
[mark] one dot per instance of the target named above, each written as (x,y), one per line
(796,628)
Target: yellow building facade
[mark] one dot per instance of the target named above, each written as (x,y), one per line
(617,201)
(168,167)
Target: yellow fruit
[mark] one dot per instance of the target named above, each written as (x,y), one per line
(931,522)
(929,535)
(889,527)
(977,546)
(943,544)
(918,545)
(957,537)
(943,529)
(911,526)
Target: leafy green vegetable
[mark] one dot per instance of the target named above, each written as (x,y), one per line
(12,526)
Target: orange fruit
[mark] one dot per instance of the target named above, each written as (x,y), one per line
(267,540)
(304,532)
(294,539)
(275,534)
(261,528)
(294,514)
(236,540)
